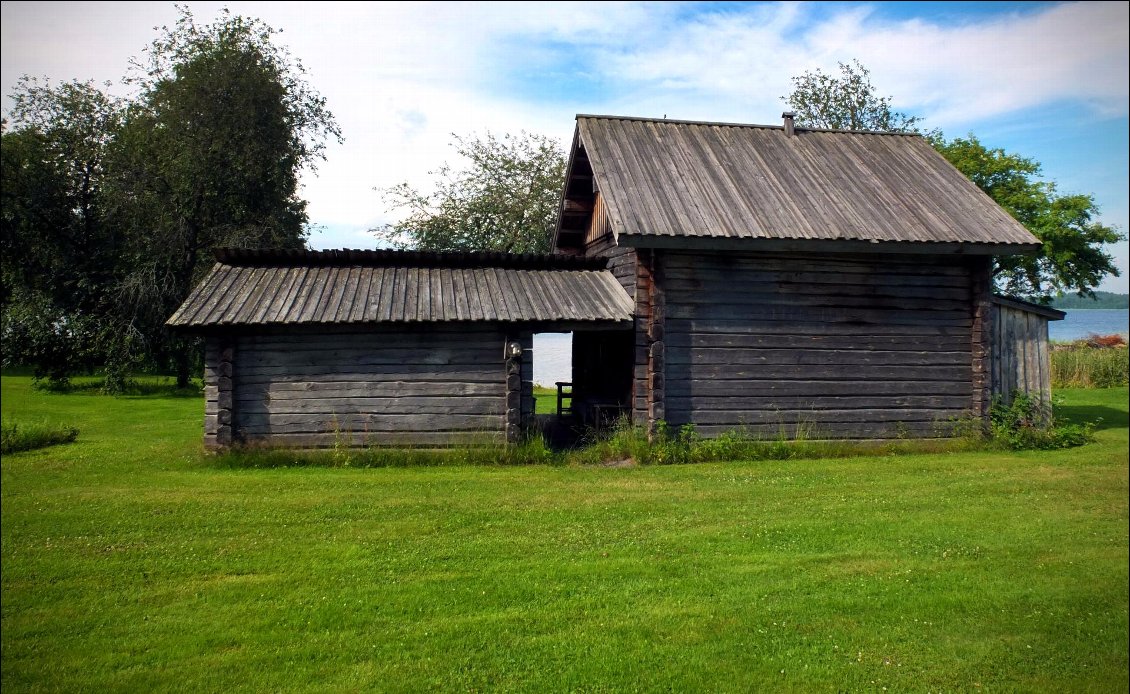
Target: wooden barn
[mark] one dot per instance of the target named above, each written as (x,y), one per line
(765,279)
(784,278)
(318,348)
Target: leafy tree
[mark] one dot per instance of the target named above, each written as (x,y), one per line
(209,156)
(847,102)
(504,199)
(111,209)
(55,235)
(1072,257)
(59,251)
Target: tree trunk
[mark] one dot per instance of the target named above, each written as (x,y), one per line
(182,362)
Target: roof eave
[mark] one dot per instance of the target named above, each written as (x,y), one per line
(1029,307)
(537,325)
(731,243)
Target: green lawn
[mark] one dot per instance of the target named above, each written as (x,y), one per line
(131,561)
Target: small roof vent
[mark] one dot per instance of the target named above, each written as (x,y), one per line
(790,123)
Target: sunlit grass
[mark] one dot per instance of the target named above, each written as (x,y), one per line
(132,561)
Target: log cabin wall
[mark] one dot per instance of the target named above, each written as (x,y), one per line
(839,347)
(393,387)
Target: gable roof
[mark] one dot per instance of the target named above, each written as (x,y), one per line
(248,287)
(675,183)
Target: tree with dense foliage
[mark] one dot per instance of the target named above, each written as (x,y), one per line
(122,202)
(1072,258)
(209,156)
(505,198)
(59,251)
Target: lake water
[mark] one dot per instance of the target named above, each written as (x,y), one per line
(553,351)
(1081,322)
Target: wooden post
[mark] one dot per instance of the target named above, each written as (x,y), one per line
(225,400)
(656,351)
(982,347)
(512,356)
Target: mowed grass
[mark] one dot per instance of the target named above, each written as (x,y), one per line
(131,561)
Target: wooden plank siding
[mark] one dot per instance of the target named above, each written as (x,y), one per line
(598,226)
(839,347)
(1021,363)
(419,387)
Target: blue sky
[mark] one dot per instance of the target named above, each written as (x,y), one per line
(1045,80)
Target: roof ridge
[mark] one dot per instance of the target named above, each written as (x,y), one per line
(252,257)
(675,121)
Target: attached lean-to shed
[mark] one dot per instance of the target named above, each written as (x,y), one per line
(309,348)
(1021,359)
(789,279)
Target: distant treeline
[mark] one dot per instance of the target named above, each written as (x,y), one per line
(1101,300)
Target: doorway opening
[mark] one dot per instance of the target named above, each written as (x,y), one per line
(553,374)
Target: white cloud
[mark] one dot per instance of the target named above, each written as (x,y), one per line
(401,77)
(955,75)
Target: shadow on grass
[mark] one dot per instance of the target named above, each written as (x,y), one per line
(1101,416)
(132,390)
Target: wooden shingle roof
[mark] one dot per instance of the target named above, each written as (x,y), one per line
(675,183)
(364,287)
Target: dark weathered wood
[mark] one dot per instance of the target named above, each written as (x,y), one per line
(817,275)
(391,405)
(467,373)
(677,372)
(221,379)
(823,416)
(768,326)
(297,390)
(821,314)
(254,423)
(795,262)
(439,356)
(764,285)
(807,386)
(822,431)
(1020,363)
(733,356)
(775,402)
(512,405)
(656,363)
(379,439)
(981,338)
(735,296)
(764,341)
(682,339)
(367,382)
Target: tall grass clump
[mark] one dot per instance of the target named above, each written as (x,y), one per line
(626,443)
(1097,362)
(23,436)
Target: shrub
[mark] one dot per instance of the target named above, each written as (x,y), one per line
(1029,423)
(16,436)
